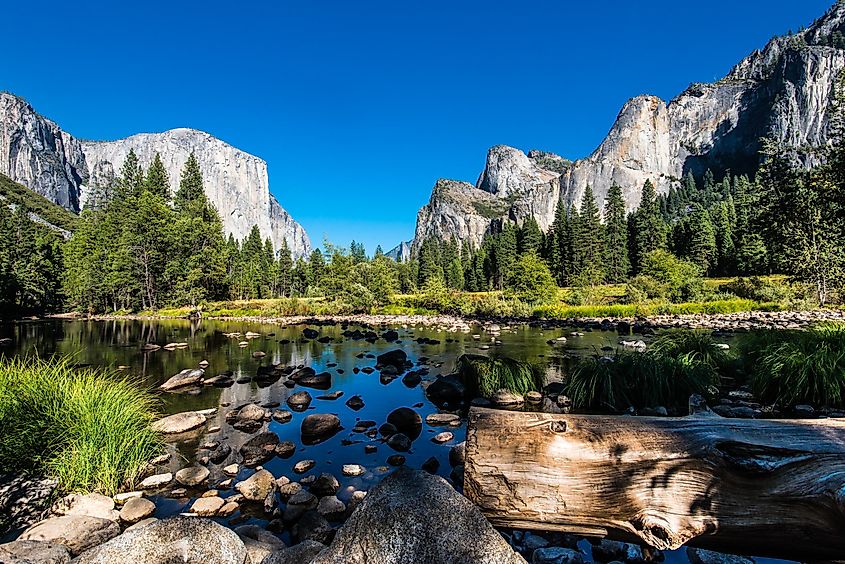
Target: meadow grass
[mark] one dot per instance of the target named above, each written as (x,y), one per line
(89,429)
(484,376)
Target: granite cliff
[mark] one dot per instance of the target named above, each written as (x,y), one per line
(35,152)
(783,91)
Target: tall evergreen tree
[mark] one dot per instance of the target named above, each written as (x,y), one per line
(190,184)
(156,180)
(529,237)
(617,263)
(702,242)
(650,230)
(588,243)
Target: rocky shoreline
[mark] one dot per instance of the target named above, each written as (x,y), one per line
(726,322)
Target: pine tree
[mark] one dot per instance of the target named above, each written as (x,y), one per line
(157,181)
(588,243)
(725,250)
(617,263)
(379,252)
(190,185)
(702,242)
(316,266)
(131,180)
(650,230)
(285,268)
(529,237)
(504,255)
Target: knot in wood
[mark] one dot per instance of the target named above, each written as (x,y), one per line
(557,426)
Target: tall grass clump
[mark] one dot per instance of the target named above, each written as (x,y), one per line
(89,429)
(677,366)
(484,376)
(794,367)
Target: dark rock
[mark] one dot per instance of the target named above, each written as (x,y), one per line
(387,429)
(399,442)
(299,401)
(313,526)
(355,403)
(302,553)
(259,449)
(396,460)
(285,449)
(432,465)
(447,390)
(186,378)
(390,336)
(325,484)
(395,358)
(309,333)
(32,552)
(321,381)
(406,421)
(318,427)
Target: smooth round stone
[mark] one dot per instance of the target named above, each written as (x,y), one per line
(258,486)
(282,415)
(136,509)
(251,412)
(179,423)
(331,507)
(534,397)
(438,419)
(192,476)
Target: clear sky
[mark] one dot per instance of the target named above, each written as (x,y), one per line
(358,107)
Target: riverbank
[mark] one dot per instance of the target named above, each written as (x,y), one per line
(728,322)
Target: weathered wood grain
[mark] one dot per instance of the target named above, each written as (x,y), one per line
(761,487)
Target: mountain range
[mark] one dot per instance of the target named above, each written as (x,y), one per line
(783,91)
(38,154)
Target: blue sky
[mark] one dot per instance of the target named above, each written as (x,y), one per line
(358,107)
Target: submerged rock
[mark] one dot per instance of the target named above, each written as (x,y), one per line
(414,516)
(259,449)
(406,421)
(178,539)
(318,427)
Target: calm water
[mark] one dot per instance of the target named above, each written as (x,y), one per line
(118,344)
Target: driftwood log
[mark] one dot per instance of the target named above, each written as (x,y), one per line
(760,487)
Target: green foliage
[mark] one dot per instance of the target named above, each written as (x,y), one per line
(675,367)
(489,210)
(759,289)
(617,262)
(649,228)
(89,429)
(485,376)
(30,265)
(54,214)
(795,367)
(531,281)
(680,279)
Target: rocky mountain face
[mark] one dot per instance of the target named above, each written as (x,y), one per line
(401,252)
(783,91)
(35,152)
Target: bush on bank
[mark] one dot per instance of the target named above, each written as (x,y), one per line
(89,429)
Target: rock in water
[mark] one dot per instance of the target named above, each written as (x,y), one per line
(259,449)
(318,427)
(302,553)
(406,421)
(414,516)
(77,532)
(188,377)
(395,358)
(178,539)
(258,486)
(179,423)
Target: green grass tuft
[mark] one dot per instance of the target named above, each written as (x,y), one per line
(484,376)
(795,367)
(89,429)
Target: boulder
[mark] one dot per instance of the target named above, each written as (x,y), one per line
(76,532)
(506,398)
(259,449)
(192,475)
(318,427)
(321,381)
(258,542)
(136,509)
(23,498)
(92,504)
(414,516)
(557,555)
(188,377)
(258,486)
(179,423)
(312,526)
(177,539)
(355,403)
(309,333)
(325,484)
(156,481)
(302,553)
(395,358)
(448,390)
(399,442)
(32,552)
(299,401)
(406,421)
(207,506)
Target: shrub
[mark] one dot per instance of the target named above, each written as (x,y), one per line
(681,279)
(758,289)
(642,288)
(531,281)
(697,346)
(485,376)
(87,428)
(793,367)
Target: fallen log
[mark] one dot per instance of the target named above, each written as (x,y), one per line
(760,487)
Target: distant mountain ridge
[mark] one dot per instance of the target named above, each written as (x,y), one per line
(37,153)
(783,91)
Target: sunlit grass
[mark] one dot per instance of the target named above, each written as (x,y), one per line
(484,376)
(90,429)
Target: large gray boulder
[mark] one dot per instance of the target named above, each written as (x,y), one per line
(302,553)
(414,516)
(76,532)
(188,540)
(31,552)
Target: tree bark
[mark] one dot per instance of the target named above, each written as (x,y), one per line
(760,487)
